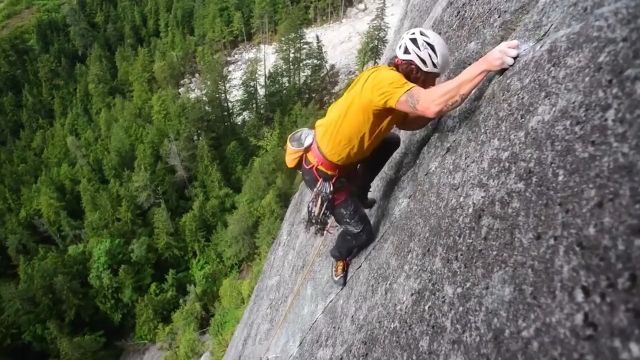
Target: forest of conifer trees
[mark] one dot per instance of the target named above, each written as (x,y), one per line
(129,213)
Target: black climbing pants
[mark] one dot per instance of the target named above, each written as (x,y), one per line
(357,232)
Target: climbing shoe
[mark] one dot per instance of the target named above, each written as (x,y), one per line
(339,271)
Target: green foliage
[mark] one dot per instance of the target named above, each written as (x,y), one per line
(228,314)
(50,289)
(374,39)
(292,19)
(9,8)
(163,233)
(141,78)
(126,210)
(264,16)
(167,69)
(250,103)
(80,31)
(181,336)
(215,78)
(321,77)
(155,307)
(207,272)
(107,257)
(327,10)
(82,347)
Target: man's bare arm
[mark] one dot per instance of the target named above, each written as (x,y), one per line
(442,98)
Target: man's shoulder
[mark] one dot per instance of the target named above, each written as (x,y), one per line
(380,69)
(380,74)
(385,85)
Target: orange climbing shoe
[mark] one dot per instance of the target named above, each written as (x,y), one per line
(339,272)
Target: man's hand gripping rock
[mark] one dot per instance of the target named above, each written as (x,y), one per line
(502,56)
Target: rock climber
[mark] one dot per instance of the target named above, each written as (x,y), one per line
(354,140)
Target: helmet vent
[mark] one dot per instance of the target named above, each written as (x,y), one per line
(414,41)
(435,63)
(433,48)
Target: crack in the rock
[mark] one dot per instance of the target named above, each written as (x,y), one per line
(314,322)
(366,256)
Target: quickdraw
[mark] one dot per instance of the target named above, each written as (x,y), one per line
(319,207)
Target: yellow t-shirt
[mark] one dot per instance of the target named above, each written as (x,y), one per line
(356,123)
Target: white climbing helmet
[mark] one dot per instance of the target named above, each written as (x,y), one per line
(425,48)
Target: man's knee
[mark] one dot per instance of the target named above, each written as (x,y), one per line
(365,236)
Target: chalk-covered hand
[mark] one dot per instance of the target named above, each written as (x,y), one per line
(502,56)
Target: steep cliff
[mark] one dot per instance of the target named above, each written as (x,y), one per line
(510,229)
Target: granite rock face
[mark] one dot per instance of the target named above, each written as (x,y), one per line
(508,230)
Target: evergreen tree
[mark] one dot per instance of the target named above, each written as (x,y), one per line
(249,104)
(320,77)
(216,84)
(80,30)
(141,76)
(264,16)
(99,80)
(374,39)
(126,209)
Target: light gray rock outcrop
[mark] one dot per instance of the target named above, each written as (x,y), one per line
(510,230)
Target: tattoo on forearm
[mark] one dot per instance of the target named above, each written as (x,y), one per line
(454,103)
(412,100)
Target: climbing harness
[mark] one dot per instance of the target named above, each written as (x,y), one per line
(301,146)
(323,196)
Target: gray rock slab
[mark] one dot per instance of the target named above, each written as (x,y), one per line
(509,230)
